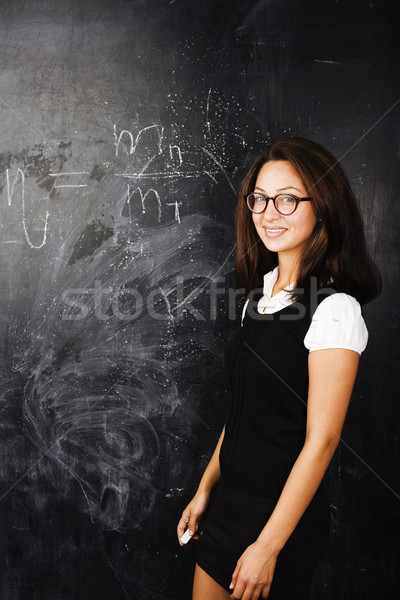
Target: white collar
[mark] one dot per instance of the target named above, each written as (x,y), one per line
(268,305)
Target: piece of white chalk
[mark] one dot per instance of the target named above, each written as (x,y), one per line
(186,537)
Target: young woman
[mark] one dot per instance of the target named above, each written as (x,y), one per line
(290,371)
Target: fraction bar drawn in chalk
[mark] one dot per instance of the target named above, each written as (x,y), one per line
(186,175)
(69,185)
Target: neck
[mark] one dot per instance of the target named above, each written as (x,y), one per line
(286,275)
(287,270)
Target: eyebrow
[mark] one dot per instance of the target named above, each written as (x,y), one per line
(289,187)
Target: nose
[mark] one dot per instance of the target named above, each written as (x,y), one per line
(270,213)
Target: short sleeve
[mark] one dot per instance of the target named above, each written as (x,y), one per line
(337,323)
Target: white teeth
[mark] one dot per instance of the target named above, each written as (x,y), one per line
(275,230)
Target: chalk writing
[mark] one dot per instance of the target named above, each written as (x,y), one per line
(133,143)
(144,147)
(175,151)
(69,185)
(10,192)
(143,198)
(177,205)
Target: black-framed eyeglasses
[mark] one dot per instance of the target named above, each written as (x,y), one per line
(285,204)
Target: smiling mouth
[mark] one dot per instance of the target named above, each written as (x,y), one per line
(274,231)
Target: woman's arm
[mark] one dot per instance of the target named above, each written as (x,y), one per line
(197,507)
(332,374)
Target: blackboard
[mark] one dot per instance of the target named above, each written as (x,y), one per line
(126,128)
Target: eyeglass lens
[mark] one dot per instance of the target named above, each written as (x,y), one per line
(284,203)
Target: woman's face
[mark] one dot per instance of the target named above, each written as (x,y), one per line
(285,234)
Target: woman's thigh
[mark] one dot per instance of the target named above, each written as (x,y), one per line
(204,587)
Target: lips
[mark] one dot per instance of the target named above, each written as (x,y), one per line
(273,232)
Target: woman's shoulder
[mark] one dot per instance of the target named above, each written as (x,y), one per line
(339,298)
(337,323)
(338,304)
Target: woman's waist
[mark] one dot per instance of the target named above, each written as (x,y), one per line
(270,485)
(260,484)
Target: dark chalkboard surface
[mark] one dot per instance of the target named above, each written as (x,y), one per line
(126,128)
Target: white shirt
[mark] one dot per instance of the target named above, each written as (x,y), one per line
(336,323)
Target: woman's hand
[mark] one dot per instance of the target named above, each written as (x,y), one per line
(193,515)
(254,572)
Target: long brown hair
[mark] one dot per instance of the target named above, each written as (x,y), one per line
(336,253)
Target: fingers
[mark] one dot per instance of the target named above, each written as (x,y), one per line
(199,531)
(234,577)
(192,524)
(247,592)
(188,523)
(182,526)
(255,595)
(238,591)
(243,589)
(265,591)
(237,588)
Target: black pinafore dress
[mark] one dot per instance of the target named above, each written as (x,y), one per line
(266,365)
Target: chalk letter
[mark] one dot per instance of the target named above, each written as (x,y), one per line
(10,192)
